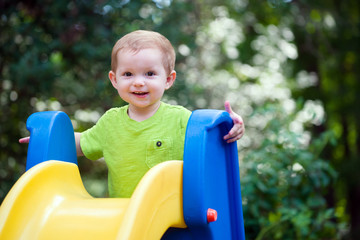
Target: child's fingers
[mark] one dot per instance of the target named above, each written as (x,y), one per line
(238,130)
(235,133)
(235,137)
(228,107)
(236,118)
(24,140)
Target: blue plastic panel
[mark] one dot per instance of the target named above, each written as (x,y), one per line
(211,178)
(51,138)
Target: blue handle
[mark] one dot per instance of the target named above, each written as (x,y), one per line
(51,138)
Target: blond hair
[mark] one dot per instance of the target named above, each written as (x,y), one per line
(141,39)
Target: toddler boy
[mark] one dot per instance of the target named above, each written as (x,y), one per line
(147,131)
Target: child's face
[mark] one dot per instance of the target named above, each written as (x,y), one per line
(141,78)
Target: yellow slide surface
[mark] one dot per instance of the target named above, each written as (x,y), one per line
(50,202)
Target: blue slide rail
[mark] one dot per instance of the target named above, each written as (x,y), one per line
(211,180)
(211,177)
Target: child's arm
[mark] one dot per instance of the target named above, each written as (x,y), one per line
(238,129)
(79,152)
(77,143)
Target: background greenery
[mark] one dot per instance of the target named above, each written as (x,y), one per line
(290,68)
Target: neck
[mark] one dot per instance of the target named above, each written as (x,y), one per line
(140,114)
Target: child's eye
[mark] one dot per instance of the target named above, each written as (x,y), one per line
(150,74)
(127,74)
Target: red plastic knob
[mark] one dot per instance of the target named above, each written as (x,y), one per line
(211,215)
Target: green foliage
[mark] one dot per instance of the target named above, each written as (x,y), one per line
(284,184)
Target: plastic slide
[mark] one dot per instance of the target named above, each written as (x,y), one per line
(198,198)
(50,202)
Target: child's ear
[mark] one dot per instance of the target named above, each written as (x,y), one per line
(112,77)
(170,79)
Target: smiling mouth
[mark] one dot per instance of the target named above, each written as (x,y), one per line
(140,93)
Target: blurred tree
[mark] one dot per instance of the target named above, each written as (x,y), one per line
(328,35)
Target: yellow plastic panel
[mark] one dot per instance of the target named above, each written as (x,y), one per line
(50,202)
(156,204)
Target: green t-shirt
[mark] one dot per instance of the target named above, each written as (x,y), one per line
(131,148)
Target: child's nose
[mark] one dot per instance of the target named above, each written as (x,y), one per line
(139,81)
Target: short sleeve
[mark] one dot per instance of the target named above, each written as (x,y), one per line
(92,140)
(186,115)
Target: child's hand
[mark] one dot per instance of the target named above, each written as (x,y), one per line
(238,129)
(24,140)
